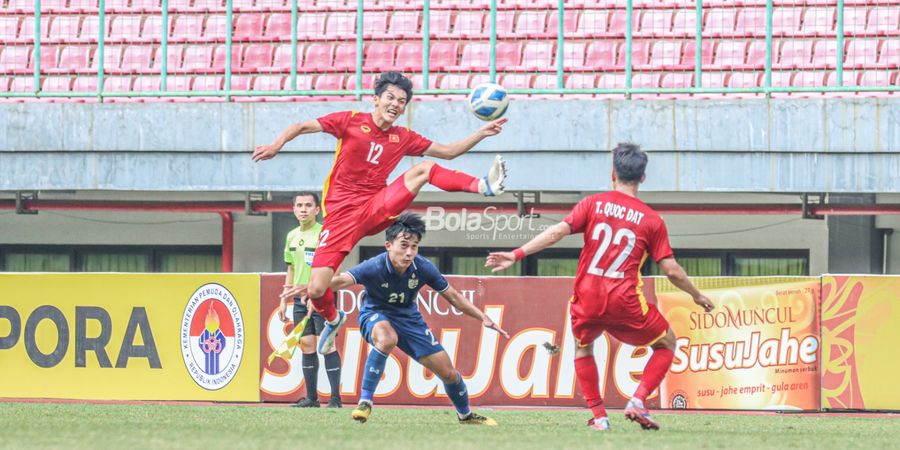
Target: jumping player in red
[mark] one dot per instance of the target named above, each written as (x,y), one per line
(620,231)
(357,201)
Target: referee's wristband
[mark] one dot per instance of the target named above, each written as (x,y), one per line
(519,253)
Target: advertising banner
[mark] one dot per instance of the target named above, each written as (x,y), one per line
(860,317)
(129,336)
(498,371)
(759,349)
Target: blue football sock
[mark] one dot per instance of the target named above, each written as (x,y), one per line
(372,374)
(458,395)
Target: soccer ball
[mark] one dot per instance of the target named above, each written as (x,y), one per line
(488,101)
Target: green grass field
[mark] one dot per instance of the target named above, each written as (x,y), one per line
(48,425)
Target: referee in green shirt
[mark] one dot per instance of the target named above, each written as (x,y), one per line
(299,248)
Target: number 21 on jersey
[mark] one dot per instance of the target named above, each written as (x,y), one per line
(604,233)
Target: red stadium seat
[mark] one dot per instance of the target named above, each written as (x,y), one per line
(281,61)
(468,23)
(73,59)
(713,79)
(208,83)
(601,54)
(855,20)
(744,80)
(209,5)
(146,6)
(795,55)
(781,79)
(655,23)
(537,55)
(311,26)
(677,80)
(197,59)
(506,21)
(64,29)
(49,58)
(876,78)
(216,29)
(375,24)
(818,22)
(22,84)
(278,27)
(515,81)
(340,26)
(152,31)
(667,55)
(117,6)
(720,22)
(244,5)
(240,82)
(884,22)
(329,82)
(409,56)
(890,54)
(684,23)
(257,56)
(248,27)
(861,53)
(174,56)
(825,54)
(112,59)
(752,22)
(440,23)
(115,84)
(319,56)
(139,59)
(809,79)
(90,29)
(581,81)
(454,81)
(84,6)
(57,84)
(405,25)
(570,22)
(304,82)
(572,54)
(149,84)
(618,22)
(26,31)
(730,54)
(345,57)
(4,83)
(220,58)
(532,24)
(640,54)
(756,54)
(15,60)
(51,5)
(443,55)
(187,27)
(124,29)
(379,56)
(546,81)
(87,84)
(689,56)
(785,22)
(9,29)
(368,82)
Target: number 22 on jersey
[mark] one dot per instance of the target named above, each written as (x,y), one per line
(604,233)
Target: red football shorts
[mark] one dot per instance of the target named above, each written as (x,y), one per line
(627,323)
(344,227)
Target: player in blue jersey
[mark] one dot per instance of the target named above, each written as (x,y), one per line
(389,316)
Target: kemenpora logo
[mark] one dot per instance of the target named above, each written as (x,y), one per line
(212,336)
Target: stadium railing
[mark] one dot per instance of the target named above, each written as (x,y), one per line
(215,50)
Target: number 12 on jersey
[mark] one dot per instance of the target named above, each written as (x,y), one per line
(604,233)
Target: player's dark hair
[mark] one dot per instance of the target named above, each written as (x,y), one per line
(408,224)
(630,162)
(307,194)
(394,78)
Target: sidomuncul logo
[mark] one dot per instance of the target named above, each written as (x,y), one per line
(212,336)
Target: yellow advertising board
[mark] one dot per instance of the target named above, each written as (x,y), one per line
(860,331)
(130,336)
(759,349)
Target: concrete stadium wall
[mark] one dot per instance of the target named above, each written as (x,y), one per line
(775,145)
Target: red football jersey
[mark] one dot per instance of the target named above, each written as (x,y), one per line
(365,157)
(620,231)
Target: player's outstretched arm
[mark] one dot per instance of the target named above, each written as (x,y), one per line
(679,278)
(268,151)
(450,151)
(503,260)
(459,302)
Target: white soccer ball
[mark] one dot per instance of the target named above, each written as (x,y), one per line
(488,101)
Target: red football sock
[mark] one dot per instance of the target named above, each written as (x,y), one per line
(654,373)
(325,305)
(452,180)
(589,382)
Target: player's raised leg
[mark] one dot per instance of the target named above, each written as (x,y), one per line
(383,338)
(657,367)
(455,181)
(589,382)
(322,298)
(440,364)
